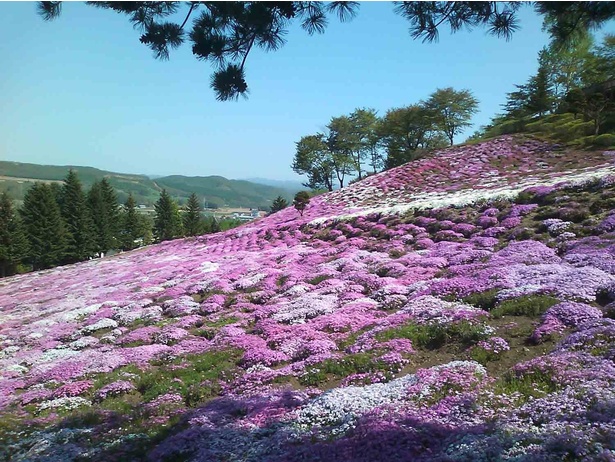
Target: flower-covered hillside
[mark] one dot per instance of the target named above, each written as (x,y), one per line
(479,329)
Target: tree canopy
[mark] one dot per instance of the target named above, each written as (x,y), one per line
(224,33)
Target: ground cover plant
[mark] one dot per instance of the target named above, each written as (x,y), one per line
(460,307)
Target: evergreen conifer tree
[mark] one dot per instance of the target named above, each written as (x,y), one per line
(13,242)
(193,223)
(167,223)
(76,214)
(540,94)
(279,203)
(130,225)
(44,227)
(104,209)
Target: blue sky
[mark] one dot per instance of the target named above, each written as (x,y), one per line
(82,90)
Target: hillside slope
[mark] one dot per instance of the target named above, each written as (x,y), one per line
(17,177)
(456,308)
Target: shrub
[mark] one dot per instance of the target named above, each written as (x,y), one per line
(301,201)
(606,140)
(574,214)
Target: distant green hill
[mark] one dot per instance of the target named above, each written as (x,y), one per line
(17,177)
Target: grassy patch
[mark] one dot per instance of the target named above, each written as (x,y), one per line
(484,300)
(434,336)
(220,322)
(531,384)
(318,279)
(530,305)
(332,369)
(282,280)
(196,381)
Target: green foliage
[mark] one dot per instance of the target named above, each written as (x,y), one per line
(167,223)
(452,110)
(135,229)
(571,81)
(484,300)
(104,210)
(301,201)
(195,377)
(279,203)
(606,140)
(215,190)
(534,383)
(193,223)
(78,220)
(13,241)
(408,132)
(365,125)
(313,158)
(329,369)
(434,336)
(529,305)
(318,279)
(483,356)
(43,224)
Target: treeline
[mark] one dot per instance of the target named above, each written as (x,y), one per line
(62,224)
(577,80)
(362,143)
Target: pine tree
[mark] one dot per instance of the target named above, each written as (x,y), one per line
(193,223)
(76,214)
(13,242)
(104,209)
(279,203)
(167,223)
(44,227)
(130,225)
(540,92)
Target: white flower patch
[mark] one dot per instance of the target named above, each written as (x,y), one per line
(208,267)
(9,351)
(104,323)
(434,200)
(519,291)
(18,368)
(340,407)
(428,308)
(83,342)
(297,290)
(555,226)
(56,353)
(128,314)
(78,313)
(310,306)
(66,403)
(152,290)
(44,323)
(249,281)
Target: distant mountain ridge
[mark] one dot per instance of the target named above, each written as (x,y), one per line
(290,185)
(17,177)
